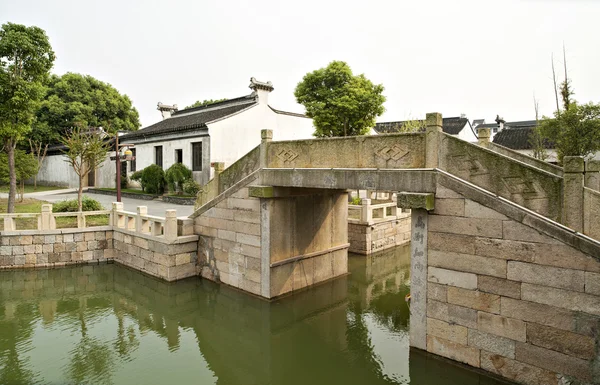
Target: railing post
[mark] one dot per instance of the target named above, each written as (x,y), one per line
(432,139)
(45,223)
(218,167)
(9,224)
(80,220)
(483,135)
(171,225)
(118,220)
(592,174)
(572,210)
(141,225)
(366,214)
(265,137)
(395,206)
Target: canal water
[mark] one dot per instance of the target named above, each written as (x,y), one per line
(106,324)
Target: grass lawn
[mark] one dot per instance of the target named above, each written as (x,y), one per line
(29,188)
(35,206)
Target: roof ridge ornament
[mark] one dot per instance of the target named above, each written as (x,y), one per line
(257,85)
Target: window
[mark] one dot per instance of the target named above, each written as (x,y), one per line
(197,156)
(132,163)
(179,156)
(158,156)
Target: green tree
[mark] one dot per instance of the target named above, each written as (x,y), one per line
(25,168)
(81,100)
(205,102)
(536,138)
(574,130)
(26,58)
(86,150)
(340,103)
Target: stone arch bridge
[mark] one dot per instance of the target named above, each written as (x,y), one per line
(505,258)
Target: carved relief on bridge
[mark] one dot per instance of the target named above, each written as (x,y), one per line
(526,186)
(286,154)
(395,152)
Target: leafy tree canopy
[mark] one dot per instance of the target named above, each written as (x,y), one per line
(25,166)
(575,131)
(83,101)
(205,102)
(340,103)
(26,58)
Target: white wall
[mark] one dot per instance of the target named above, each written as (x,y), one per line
(55,171)
(233,137)
(467,134)
(144,154)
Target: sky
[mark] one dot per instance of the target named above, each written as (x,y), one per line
(478,58)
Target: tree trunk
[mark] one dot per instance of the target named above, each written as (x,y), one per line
(22,192)
(12,174)
(80,195)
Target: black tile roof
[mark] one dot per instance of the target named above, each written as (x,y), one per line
(516,136)
(193,118)
(450,126)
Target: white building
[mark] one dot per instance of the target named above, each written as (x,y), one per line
(219,132)
(456,126)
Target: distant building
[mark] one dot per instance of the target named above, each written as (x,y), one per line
(219,132)
(516,136)
(457,126)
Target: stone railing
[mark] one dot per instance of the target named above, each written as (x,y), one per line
(367,213)
(46,220)
(168,228)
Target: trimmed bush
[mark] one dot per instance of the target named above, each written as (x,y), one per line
(137,176)
(176,176)
(153,179)
(70,206)
(191,187)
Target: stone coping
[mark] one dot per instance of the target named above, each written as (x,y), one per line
(57,231)
(552,168)
(180,239)
(57,264)
(310,255)
(359,138)
(521,214)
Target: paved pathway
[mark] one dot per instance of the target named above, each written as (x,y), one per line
(155,207)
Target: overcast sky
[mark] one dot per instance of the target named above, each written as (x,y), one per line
(480,58)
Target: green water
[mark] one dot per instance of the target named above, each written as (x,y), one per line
(106,324)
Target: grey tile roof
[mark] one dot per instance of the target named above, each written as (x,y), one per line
(515,135)
(194,118)
(450,126)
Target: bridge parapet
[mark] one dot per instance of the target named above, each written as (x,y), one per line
(380,151)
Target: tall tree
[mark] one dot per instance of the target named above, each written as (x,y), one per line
(205,102)
(81,100)
(26,58)
(86,150)
(340,103)
(575,131)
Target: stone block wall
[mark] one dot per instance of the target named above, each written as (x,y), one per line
(56,248)
(507,298)
(230,242)
(367,239)
(154,256)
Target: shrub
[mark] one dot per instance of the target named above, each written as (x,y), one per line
(137,176)
(176,176)
(88,204)
(356,201)
(191,187)
(153,179)
(124,182)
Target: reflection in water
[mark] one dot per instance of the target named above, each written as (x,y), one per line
(107,324)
